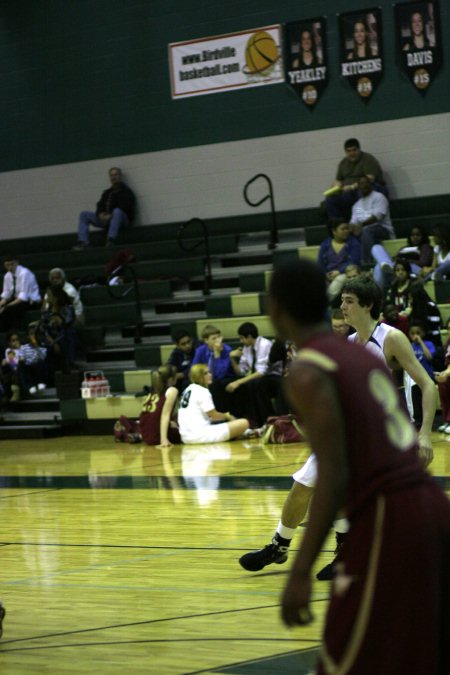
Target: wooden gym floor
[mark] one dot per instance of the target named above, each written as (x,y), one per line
(123,559)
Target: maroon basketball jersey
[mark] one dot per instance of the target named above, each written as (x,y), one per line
(380,439)
(150,418)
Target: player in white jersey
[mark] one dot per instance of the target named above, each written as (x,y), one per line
(197,414)
(361,305)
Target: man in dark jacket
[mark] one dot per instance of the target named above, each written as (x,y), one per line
(115,211)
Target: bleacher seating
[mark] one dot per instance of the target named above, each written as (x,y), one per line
(170,285)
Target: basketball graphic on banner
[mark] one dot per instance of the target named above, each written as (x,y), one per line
(261,53)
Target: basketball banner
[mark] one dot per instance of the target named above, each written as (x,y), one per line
(305,58)
(361,50)
(233,61)
(419,45)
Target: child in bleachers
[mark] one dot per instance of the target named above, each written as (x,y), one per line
(443,381)
(181,358)
(33,373)
(424,351)
(215,354)
(398,292)
(392,317)
(10,377)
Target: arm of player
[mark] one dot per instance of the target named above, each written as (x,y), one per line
(312,392)
(169,403)
(216,416)
(398,346)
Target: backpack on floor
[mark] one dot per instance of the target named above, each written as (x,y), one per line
(283,429)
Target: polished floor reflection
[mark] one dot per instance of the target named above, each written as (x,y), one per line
(117,558)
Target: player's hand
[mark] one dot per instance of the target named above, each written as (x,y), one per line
(295,602)
(425,449)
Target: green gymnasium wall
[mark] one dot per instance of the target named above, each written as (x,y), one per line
(86,79)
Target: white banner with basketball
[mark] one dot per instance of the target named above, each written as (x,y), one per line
(224,62)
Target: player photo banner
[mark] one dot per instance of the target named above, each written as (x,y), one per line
(361,50)
(419,42)
(224,62)
(305,67)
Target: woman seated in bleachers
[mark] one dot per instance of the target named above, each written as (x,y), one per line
(398,293)
(57,277)
(197,415)
(440,266)
(336,252)
(422,309)
(56,331)
(418,251)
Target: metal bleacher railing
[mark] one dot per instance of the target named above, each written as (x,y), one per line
(273,238)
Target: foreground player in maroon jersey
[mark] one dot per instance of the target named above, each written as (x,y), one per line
(389,609)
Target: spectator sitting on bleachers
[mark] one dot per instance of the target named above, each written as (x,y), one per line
(426,312)
(266,393)
(351,168)
(197,412)
(57,277)
(338,323)
(440,267)
(443,381)
(425,352)
(370,219)
(216,355)
(115,211)
(352,272)
(418,251)
(398,293)
(250,363)
(32,369)
(10,377)
(56,331)
(181,358)
(20,293)
(392,317)
(423,349)
(336,252)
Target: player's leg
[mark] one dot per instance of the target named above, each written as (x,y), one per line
(237,427)
(341,527)
(293,513)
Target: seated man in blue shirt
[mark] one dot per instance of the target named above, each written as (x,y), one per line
(215,353)
(181,357)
